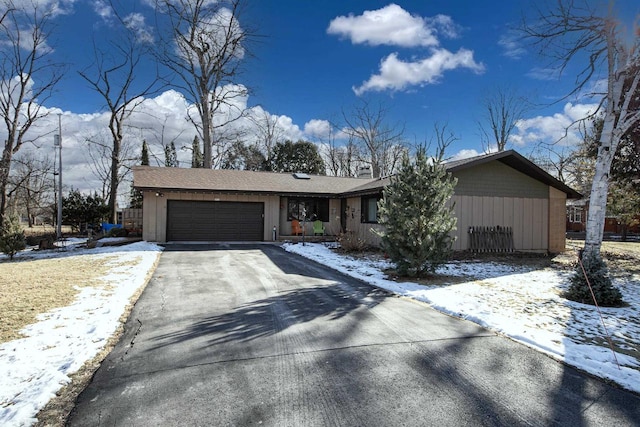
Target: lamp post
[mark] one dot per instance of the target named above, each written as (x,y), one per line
(57,142)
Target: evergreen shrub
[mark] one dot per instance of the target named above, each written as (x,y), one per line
(606,294)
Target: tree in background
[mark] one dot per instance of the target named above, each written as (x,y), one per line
(244,157)
(301,156)
(585,30)
(416,216)
(78,209)
(267,132)
(197,160)
(136,197)
(115,76)
(340,159)
(31,185)
(27,77)
(144,154)
(502,108)
(623,199)
(205,51)
(381,145)
(170,155)
(624,203)
(12,239)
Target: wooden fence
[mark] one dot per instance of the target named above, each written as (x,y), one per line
(491,239)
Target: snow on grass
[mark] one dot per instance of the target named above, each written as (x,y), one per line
(34,368)
(523,303)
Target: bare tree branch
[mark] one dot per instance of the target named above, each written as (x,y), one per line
(205,50)
(114,75)
(27,77)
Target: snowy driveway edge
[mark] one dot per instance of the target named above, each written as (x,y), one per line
(34,368)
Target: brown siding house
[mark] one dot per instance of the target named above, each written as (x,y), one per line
(500,189)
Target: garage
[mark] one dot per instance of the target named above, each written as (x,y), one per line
(189,220)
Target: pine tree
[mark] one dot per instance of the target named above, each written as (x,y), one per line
(135,197)
(415,215)
(595,269)
(12,238)
(170,156)
(197,160)
(144,156)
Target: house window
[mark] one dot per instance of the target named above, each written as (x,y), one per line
(315,209)
(575,214)
(369,209)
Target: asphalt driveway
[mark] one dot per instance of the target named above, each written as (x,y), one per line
(251,335)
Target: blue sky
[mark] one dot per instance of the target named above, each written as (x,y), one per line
(426,61)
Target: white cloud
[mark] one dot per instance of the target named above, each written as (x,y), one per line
(396,74)
(394,26)
(544,74)
(563,128)
(464,154)
(159,120)
(103,10)
(135,22)
(320,129)
(511,46)
(54,7)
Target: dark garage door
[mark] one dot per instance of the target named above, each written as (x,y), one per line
(214,221)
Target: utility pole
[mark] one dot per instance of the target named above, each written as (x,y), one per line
(57,141)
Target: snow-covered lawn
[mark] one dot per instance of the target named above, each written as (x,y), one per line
(523,303)
(34,368)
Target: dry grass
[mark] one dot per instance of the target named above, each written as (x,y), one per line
(57,410)
(622,258)
(32,287)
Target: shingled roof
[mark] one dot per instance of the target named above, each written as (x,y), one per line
(240,181)
(249,182)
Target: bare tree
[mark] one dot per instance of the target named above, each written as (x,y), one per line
(381,144)
(268,132)
(576,30)
(31,185)
(115,76)
(27,77)
(205,52)
(100,152)
(502,110)
(443,138)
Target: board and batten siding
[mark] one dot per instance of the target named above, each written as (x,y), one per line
(494,194)
(155,210)
(498,180)
(528,218)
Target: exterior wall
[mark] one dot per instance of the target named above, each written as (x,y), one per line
(528,218)
(498,180)
(364,231)
(155,210)
(331,228)
(557,224)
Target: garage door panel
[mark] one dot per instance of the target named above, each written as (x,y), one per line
(189,220)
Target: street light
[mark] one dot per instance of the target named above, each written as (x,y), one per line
(57,142)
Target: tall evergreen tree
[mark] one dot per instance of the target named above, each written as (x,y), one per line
(415,215)
(170,156)
(144,155)
(135,197)
(197,159)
